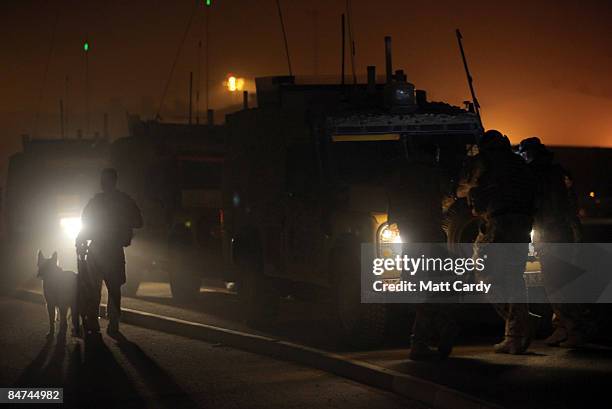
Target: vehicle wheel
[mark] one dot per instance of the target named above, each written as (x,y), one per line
(185,286)
(360,324)
(258,298)
(461,227)
(184,282)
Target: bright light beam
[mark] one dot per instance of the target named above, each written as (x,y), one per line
(71,226)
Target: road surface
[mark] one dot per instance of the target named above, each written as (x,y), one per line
(149,369)
(546,378)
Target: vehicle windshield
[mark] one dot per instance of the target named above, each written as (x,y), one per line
(199,174)
(365,162)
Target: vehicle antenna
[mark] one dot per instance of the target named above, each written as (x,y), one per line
(351,39)
(207,55)
(469,77)
(199,73)
(280,16)
(315,42)
(176,57)
(342,49)
(86,56)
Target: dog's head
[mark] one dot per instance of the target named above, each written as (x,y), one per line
(46,265)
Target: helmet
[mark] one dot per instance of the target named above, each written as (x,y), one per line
(493,139)
(532,148)
(530,144)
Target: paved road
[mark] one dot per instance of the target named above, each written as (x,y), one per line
(149,369)
(547,378)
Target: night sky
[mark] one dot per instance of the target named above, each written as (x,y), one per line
(540,67)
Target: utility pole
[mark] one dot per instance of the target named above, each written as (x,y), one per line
(190,95)
(105,134)
(61,107)
(86,50)
(66,83)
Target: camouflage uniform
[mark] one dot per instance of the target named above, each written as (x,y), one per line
(556,221)
(421,223)
(500,189)
(108,220)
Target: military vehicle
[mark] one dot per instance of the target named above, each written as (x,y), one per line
(307,174)
(48,184)
(174,172)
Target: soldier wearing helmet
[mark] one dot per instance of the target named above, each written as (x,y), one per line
(420,177)
(555,221)
(500,189)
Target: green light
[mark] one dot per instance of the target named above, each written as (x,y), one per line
(208,3)
(86,46)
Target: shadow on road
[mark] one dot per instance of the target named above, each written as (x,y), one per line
(89,373)
(168,393)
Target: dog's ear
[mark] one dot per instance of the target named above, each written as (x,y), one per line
(41,258)
(54,258)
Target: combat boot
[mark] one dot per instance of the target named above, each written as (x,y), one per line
(448,335)
(420,351)
(558,336)
(512,345)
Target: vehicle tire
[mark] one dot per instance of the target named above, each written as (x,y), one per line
(185,286)
(256,293)
(184,282)
(360,325)
(461,228)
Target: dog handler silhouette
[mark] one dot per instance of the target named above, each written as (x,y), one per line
(108,221)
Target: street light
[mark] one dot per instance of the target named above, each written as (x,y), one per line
(234,84)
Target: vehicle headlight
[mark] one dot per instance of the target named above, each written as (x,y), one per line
(389,233)
(71,226)
(389,240)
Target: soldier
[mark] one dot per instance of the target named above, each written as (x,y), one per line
(500,189)
(556,221)
(108,220)
(420,178)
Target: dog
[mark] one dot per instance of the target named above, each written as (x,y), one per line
(60,291)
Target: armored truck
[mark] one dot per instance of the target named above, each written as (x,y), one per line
(306,182)
(174,172)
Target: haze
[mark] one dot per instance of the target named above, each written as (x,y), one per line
(540,68)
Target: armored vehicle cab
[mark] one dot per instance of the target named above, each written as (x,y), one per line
(174,173)
(307,174)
